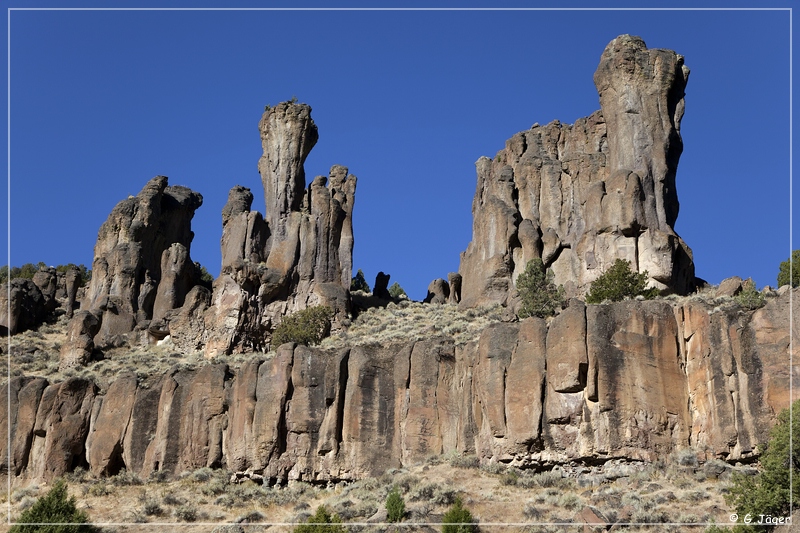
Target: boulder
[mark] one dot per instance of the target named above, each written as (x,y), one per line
(730,286)
(438,292)
(79,346)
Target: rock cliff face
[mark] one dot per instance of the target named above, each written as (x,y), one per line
(581,196)
(626,380)
(299,256)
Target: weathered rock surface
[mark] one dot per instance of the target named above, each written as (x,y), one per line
(299,256)
(581,196)
(47,281)
(630,380)
(141,266)
(438,292)
(22,306)
(454,280)
(72,282)
(78,347)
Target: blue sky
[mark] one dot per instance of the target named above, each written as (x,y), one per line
(102,101)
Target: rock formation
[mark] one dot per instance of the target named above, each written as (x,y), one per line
(47,281)
(629,380)
(438,292)
(72,282)
(381,287)
(141,266)
(22,306)
(581,196)
(299,256)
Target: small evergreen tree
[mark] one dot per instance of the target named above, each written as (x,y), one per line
(767,492)
(458,519)
(395,506)
(619,282)
(57,508)
(308,327)
(396,291)
(749,297)
(359,283)
(789,273)
(540,296)
(322,522)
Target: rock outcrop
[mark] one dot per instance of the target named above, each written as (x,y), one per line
(141,268)
(22,306)
(630,380)
(299,256)
(581,196)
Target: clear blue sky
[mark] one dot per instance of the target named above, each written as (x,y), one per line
(102,101)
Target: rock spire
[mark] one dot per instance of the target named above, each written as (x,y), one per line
(581,196)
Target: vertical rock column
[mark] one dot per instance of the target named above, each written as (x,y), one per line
(287,136)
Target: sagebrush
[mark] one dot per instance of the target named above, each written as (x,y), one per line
(307,327)
(618,283)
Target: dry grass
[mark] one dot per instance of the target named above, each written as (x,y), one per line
(412,321)
(205,499)
(36,353)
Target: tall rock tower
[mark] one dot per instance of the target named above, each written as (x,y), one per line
(581,196)
(299,254)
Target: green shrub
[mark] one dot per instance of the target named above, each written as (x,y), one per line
(789,273)
(458,519)
(56,507)
(308,327)
(206,278)
(186,513)
(396,291)
(540,296)
(749,297)
(395,506)
(359,283)
(620,282)
(767,492)
(321,522)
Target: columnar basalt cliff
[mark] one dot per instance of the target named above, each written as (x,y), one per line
(581,196)
(632,380)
